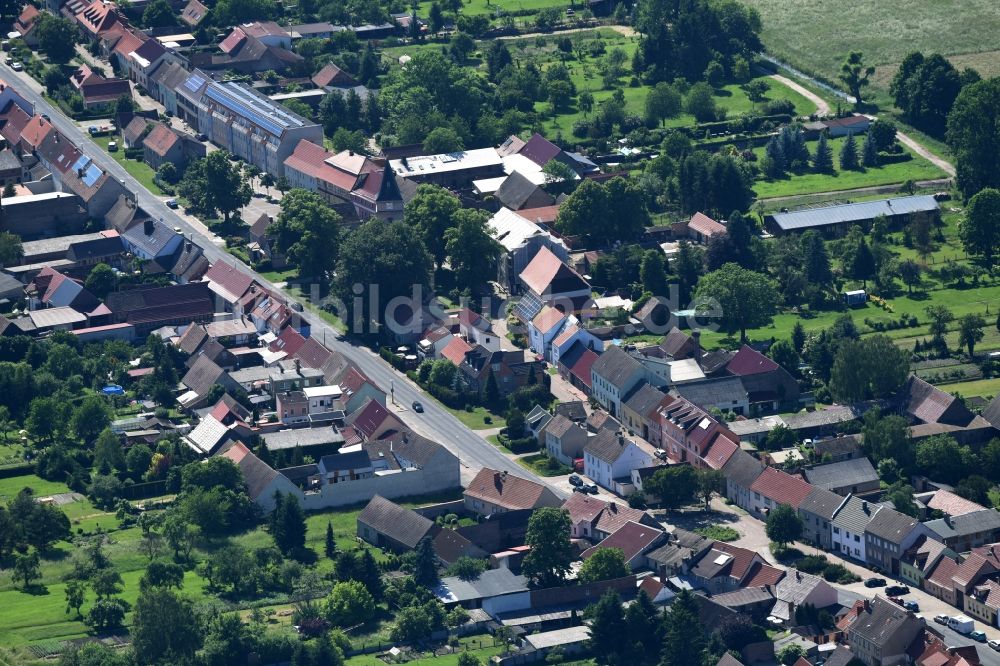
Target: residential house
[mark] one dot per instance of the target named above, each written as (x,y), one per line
(881,632)
(613,375)
(230,284)
(595,519)
(946,502)
(262,481)
(849,524)
(542,330)
(354,465)
(152,240)
(610,457)
(682,549)
(741,472)
(723,568)
(518,192)
(547,280)
(77,173)
(521,238)
(574,410)
(193,13)
(983,602)
(152,308)
(333,77)
(817,511)
(385,524)
(921,558)
(837,449)
(26,23)
(967,531)
(939,582)
(166,79)
(247,49)
(511,369)
(98,93)
(726,394)
(571,335)
(492,492)
(849,477)
(244,122)
(634,540)
(164,145)
(774,488)
(796,590)
(700,228)
(888,536)
(576,365)
(769,386)
(636,407)
(203,374)
(689,434)
(563,439)
(979,565)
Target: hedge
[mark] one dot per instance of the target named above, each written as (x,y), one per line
(523,445)
(893,158)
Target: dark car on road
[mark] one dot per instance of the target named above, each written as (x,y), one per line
(417,407)
(575,480)
(897,590)
(875,582)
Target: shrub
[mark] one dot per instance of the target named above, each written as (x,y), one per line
(523,445)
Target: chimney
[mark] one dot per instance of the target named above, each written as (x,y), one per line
(868,605)
(696,339)
(406,437)
(298,367)
(864,506)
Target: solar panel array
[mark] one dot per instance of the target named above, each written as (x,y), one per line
(258,110)
(194,82)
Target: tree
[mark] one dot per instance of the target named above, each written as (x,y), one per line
(869,152)
(909,273)
(784,525)
(158,14)
(180,535)
(443,140)
(975,488)
(349,602)
(604,213)
(435,18)
(101,280)
(682,631)
(974,133)
(11,250)
(700,103)
(607,628)
(138,460)
(943,458)
(330,546)
(162,574)
(859,262)
(473,251)
(925,89)
(738,297)
(461,45)
(815,259)
(790,654)
(551,554)
(940,316)
(849,154)
(854,74)
(653,273)
(308,231)
(585,101)
(107,614)
(216,184)
(662,102)
(980,228)
(468,568)
(604,564)
(870,368)
(164,628)
(970,331)
(287,524)
(468,659)
(108,456)
(823,157)
(737,631)
(673,486)
(90,418)
(106,583)
(56,37)
(27,569)
(432,213)
(76,596)
(710,482)
(425,565)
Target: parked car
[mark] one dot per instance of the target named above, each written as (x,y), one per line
(592,489)
(941,619)
(112,146)
(8,61)
(17,67)
(171,203)
(201,137)
(897,590)
(575,480)
(580,489)
(995,644)
(417,407)
(911,606)
(978,636)
(896,600)
(875,582)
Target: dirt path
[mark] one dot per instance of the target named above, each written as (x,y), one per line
(620,29)
(822,108)
(874,189)
(919,149)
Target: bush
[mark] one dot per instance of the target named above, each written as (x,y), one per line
(812,564)
(523,445)
(838,573)
(893,158)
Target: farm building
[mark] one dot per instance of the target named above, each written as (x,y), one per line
(837,219)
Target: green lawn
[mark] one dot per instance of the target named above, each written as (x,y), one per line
(815,38)
(916,169)
(473,642)
(475,419)
(986,388)
(138,170)
(13,485)
(719,532)
(538,463)
(493,7)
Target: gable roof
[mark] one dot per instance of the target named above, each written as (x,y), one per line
(193,13)
(948,502)
(160,139)
(631,538)
(855,514)
(256,473)
(228,281)
(539,150)
(880,620)
(821,502)
(891,525)
(781,487)
(749,361)
(943,572)
(742,469)
(516,190)
(987,520)
(580,359)
(676,343)
(930,404)
(334,77)
(615,366)
(705,225)
(607,445)
(402,525)
(455,350)
(506,490)
(643,398)
(714,391)
(856,471)
(546,273)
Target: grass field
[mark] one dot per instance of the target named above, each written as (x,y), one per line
(816,37)
(538,463)
(138,170)
(495,7)
(476,418)
(916,169)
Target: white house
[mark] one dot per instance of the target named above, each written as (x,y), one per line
(570,334)
(614,374)
(544,328)
(849,524)
(609,455)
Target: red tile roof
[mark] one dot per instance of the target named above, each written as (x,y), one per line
(719,452)
(581,368)
(606,517)
(743,559)
(705,225)
(543,269)
(331,75)
(310,159)
(762,575)
(235,38)
(945,569)
(35,131)
(370,418)
(229,279)
(17,119)
(781,487)
(952,504)
(973,568)
(313,354)
(128,43)
(749,361)
(506,490)
(289,341)
(547,319)
(632,538)
(455,350)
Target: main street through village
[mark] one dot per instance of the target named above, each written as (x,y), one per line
(435,422)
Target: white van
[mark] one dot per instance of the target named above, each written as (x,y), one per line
(962,624)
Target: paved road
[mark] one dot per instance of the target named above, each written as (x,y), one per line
(435,423)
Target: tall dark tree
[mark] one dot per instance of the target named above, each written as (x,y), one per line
(551,554)
(849,154)
(683,634)
(974,136)
(855,74)
(980,229)
(784,525)
(308,231)
(425,571)
(815,260)
(164,628)
(607,628)
(330,546)
(432,212)
(823,157)
(745,299)
(287,524)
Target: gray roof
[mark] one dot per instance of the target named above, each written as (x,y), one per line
(822,417)
(742,469)
(410,447)
(344,461)
(854,212)
(855,514)
(256,473)
(796,586)
(491,583)
(515,191)
(743,597)
(10,284)
(289,439)
(616,365)
(606,445)
(403,525)
(882,622)
(891,525)
(838,445)
(821,502)
(840,474)
(969,523)
(710,392)
(573,410)
(204,373)
(643,398)
(154,243)
(8,160)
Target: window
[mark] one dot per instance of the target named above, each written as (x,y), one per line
(756,496)
(856,538)
(836,530)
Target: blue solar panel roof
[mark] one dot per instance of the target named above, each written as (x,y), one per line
(194,82)
(91,175)
(255,108)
